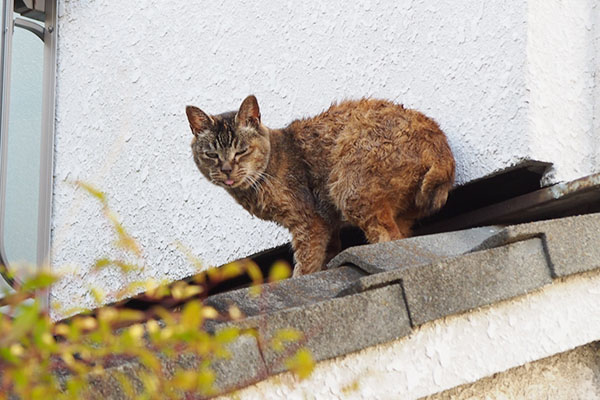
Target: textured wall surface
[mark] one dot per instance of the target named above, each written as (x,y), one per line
(456,350)
(571,375)
(563,72)
(127,70)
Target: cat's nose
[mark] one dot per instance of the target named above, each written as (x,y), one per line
(226,167)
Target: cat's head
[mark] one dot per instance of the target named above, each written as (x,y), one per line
(231,149)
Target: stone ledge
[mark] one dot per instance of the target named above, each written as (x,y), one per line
(466,282)
(410,252)
(297,292)
(431,276)
(458,349)
(572,243)
(342,310)
(334,327)
(475,280)
(245,367)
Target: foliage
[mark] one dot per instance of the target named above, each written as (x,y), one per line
(76,358)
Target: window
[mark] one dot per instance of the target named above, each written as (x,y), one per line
(27,84)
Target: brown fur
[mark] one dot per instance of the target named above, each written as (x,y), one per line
(371,163)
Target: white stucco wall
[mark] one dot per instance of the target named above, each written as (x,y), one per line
(563,69)
(574,374)
(126,71)
(455,350)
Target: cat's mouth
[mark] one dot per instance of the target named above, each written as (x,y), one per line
(228,182)
(231,182)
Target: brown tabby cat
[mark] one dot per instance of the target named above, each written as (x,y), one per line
(370,163)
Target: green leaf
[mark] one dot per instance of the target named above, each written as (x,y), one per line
(191,316)
(126,315)
(39,392)
(283,336)
(101,263)
(20,377)
(254,272)
(41,280)
(92,190)
(125,240)
(255,290)
(230,270)
(126,267)
(7,355)
(151,385)
(28,315)
(42,335)
(205,380)
(185,380)
(351,387)
(74,388)
(98,295)
(125,383)
(279,271)
(149,360)
(227,335)
(302,363)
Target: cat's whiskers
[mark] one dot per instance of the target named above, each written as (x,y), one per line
(215,178)
(269,179)
(267,175)
(260,178)
(212,178)
(254,183)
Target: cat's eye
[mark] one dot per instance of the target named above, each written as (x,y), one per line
(211,155)
(242,152)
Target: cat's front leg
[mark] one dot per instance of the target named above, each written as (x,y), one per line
(309,240)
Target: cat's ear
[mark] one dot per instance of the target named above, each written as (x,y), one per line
(249,113)
(199,120)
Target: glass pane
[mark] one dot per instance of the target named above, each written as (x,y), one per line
(23,149)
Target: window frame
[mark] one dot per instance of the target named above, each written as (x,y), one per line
(50,34)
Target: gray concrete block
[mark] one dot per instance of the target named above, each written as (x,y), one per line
(107,386)
(413,251)
(572,243)
(303,290)
(335,327)
(475,280)
(245,366)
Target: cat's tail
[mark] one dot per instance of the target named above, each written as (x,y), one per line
(436,184)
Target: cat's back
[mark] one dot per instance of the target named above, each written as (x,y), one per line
(339,115)
(317,136)
(377,118)
(363,117)
(365,124)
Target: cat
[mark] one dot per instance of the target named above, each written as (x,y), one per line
(370,163)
